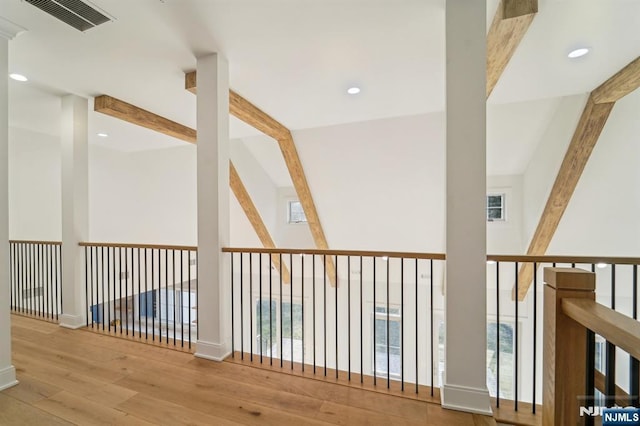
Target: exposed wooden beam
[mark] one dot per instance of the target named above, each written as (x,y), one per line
(510,23)
(255,117)
(593,119)
(243,197)
(621,84)
(135,115)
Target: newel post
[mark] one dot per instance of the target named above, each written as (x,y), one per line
(565,346)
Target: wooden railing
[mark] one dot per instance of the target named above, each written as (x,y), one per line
(376,326)
(572,319)
(36,278)
(146,292)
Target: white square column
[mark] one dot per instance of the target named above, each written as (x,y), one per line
(8,30)
(465,385)
(75,208)
(214,340)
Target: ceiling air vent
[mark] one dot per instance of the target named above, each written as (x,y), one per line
(76,13)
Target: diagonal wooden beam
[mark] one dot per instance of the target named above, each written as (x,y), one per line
(510,24)
(243,197)
(255,117)
(593,119)
(135,115)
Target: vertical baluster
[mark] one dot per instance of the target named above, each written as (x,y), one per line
(60,272)
(271,309)
(324,317)
(634,366)
(302,306)
(119,286)
(291,304)
(241,307)
(260,303)
(313,285)
(146,295)
(166,293)
(535,333)
(189,303)
(498,334)
(104,300)
(251,306)
(173,292)
(197,304)
(153,297)
(402,324)
(431,320)
(361,326)
(515,326)
(590,379)
(233,330)
(139,294)
(336,307)
(349,317)
(375,364)
(388,328)
(416,331)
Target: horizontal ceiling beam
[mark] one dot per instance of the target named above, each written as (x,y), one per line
(138,116)
(509,25)
(255,117)
(592,122)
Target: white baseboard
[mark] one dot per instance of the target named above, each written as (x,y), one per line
(462,398)
(7,377)
(72,321)
(212,351)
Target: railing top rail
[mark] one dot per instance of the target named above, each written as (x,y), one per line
(564,259)
(366,253)
(142,246)
(51,243)
(619,329)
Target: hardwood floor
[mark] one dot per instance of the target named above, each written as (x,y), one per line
(83,378)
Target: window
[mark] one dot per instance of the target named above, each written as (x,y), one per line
(268,336)
(506,359)
(495,207)
(296,212)
(392,340)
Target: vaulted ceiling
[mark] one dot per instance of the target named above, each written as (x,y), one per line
(296,58)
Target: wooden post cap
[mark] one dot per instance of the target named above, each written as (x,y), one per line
(570,279)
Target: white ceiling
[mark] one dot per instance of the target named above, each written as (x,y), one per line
(295,59)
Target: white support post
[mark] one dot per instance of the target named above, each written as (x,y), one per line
(214,340)
(75,208)
(8,30)
(464,385)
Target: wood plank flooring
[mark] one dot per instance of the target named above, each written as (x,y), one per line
(83,378)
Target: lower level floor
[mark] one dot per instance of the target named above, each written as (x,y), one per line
(83,378)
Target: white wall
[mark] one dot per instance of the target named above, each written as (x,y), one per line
(544,164)
(143,197)
(378,185)
(34,186)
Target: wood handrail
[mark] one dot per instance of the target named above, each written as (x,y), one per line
(408,255)
(622,397)
(621,330)
(51,243)
(142,246)
(564,259)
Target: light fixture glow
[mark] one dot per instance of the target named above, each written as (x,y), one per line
(18,77)
(385,258)
(353,90)
(491,262)
(103,135)
(602,265)
(576,53)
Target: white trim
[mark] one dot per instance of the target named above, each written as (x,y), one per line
(9,30)
(212,351)
(462,398)
(72,321)
(8,377)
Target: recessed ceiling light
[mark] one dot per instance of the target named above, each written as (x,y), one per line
(576,53)
(103,135)
(18,77)
(353,90)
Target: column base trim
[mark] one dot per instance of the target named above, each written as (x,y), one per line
(212,351)
(72,321)
(462,398)
(8,378)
